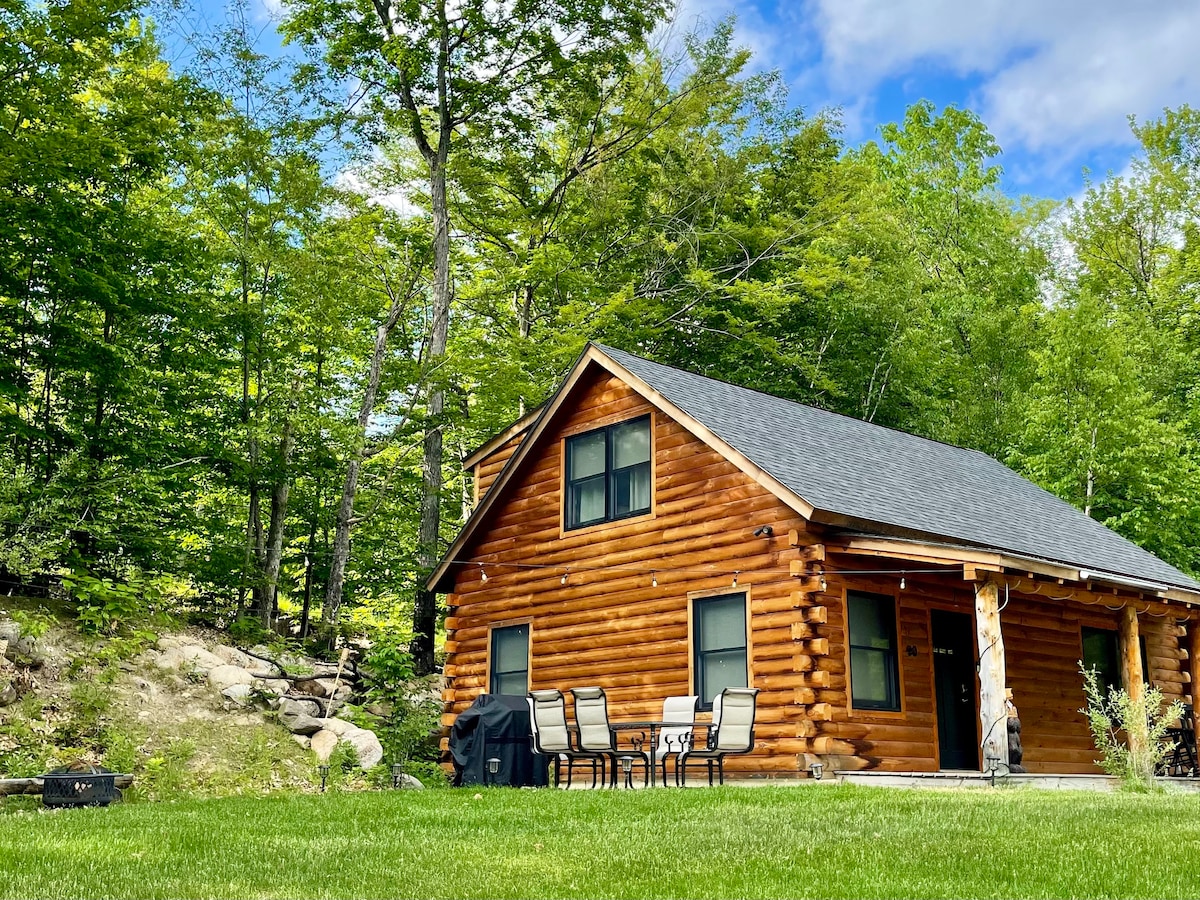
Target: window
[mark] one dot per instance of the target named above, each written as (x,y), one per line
(510,661)
(608,473)
(1102,652)
(718,645)
(874,664)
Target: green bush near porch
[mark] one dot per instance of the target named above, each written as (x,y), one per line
(807,841)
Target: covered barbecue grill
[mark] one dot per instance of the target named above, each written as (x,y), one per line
(495,726)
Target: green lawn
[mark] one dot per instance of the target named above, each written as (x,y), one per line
(809,841)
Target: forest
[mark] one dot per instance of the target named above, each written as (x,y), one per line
(256,306)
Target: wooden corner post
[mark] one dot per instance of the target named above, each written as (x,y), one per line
(1131,653)
(1193,650)
(993,716)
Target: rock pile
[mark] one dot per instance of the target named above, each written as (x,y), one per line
(305,703)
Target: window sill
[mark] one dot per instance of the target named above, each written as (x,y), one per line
(564,532)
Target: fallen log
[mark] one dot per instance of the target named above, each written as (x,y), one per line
(13,786)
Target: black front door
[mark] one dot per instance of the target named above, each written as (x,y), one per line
(953,639)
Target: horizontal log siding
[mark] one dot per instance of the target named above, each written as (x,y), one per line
(610,627)
(489,467)
(1042,644)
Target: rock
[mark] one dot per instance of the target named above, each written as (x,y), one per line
(323,744)
(18,646)
(168,642)
(234,656)
(338,726)
(301,740)
(293,706)
(8,693)
(239,693)
(409,781)
(273,686)
(366,746)
(382,710)
(199,657)
(225,676)
(301,724)
(170,658)
(313,686)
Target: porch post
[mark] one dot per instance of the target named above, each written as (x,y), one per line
(1131,673)
(992,713)
(1193,649)
(1131,653)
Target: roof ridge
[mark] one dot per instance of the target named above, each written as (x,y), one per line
(820,409)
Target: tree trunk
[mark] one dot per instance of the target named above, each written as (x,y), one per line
(345,513)
(273,555)
(425,602)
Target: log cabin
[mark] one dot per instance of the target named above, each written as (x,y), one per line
(657,532)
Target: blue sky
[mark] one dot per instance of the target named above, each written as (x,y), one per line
(1054,80)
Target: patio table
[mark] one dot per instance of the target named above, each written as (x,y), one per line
(651,727)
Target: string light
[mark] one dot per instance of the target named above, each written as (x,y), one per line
(735,575)
(653,579)
(563,580)
(901,582)
(482,574)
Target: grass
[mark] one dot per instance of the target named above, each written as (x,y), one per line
(812,841)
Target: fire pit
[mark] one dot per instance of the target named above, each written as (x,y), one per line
(79,785)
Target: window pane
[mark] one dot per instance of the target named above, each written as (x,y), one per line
(872,621)
(586,502)
(586,455)
(631,491)
(631,443)
(1100,653)
(722,622)
(870,677)
(510,660)
(722,669)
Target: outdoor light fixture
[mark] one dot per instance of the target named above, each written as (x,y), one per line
(627,768)
(735,575)
(901,582)
(653,579)
(397,771)
(764,531)
(824,583)
(482,574)
(324,770)
(563,580)
(993,764)
(493,765)
(817,769)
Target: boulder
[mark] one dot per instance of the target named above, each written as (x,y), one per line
(338,726)
(234,656)
(273,686)
(366,746)
(302,740)
(301,724)
(409,781)
(293,706)
(16,645)
(8,692)
(323,744)
(239,693)
(221,677)
(314,687)
(199,657)
(170,658)
(168,642)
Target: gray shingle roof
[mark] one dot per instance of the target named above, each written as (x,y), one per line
(851,468)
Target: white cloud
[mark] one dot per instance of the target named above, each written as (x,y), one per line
(1060,75)
(771,46)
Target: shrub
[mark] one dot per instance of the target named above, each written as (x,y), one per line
(1129,733)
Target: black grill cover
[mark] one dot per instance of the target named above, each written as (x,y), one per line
(495,725)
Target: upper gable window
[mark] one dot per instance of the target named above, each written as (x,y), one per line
(608,473)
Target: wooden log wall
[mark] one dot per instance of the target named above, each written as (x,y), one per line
(488,468)
(610,626)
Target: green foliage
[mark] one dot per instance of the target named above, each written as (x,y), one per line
(33,623)
(104,605)
(1129,733)
(412,715)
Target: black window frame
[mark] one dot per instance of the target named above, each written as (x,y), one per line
(1113,635)
(891,656)
(495,674)
(699,656)
(608,475)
